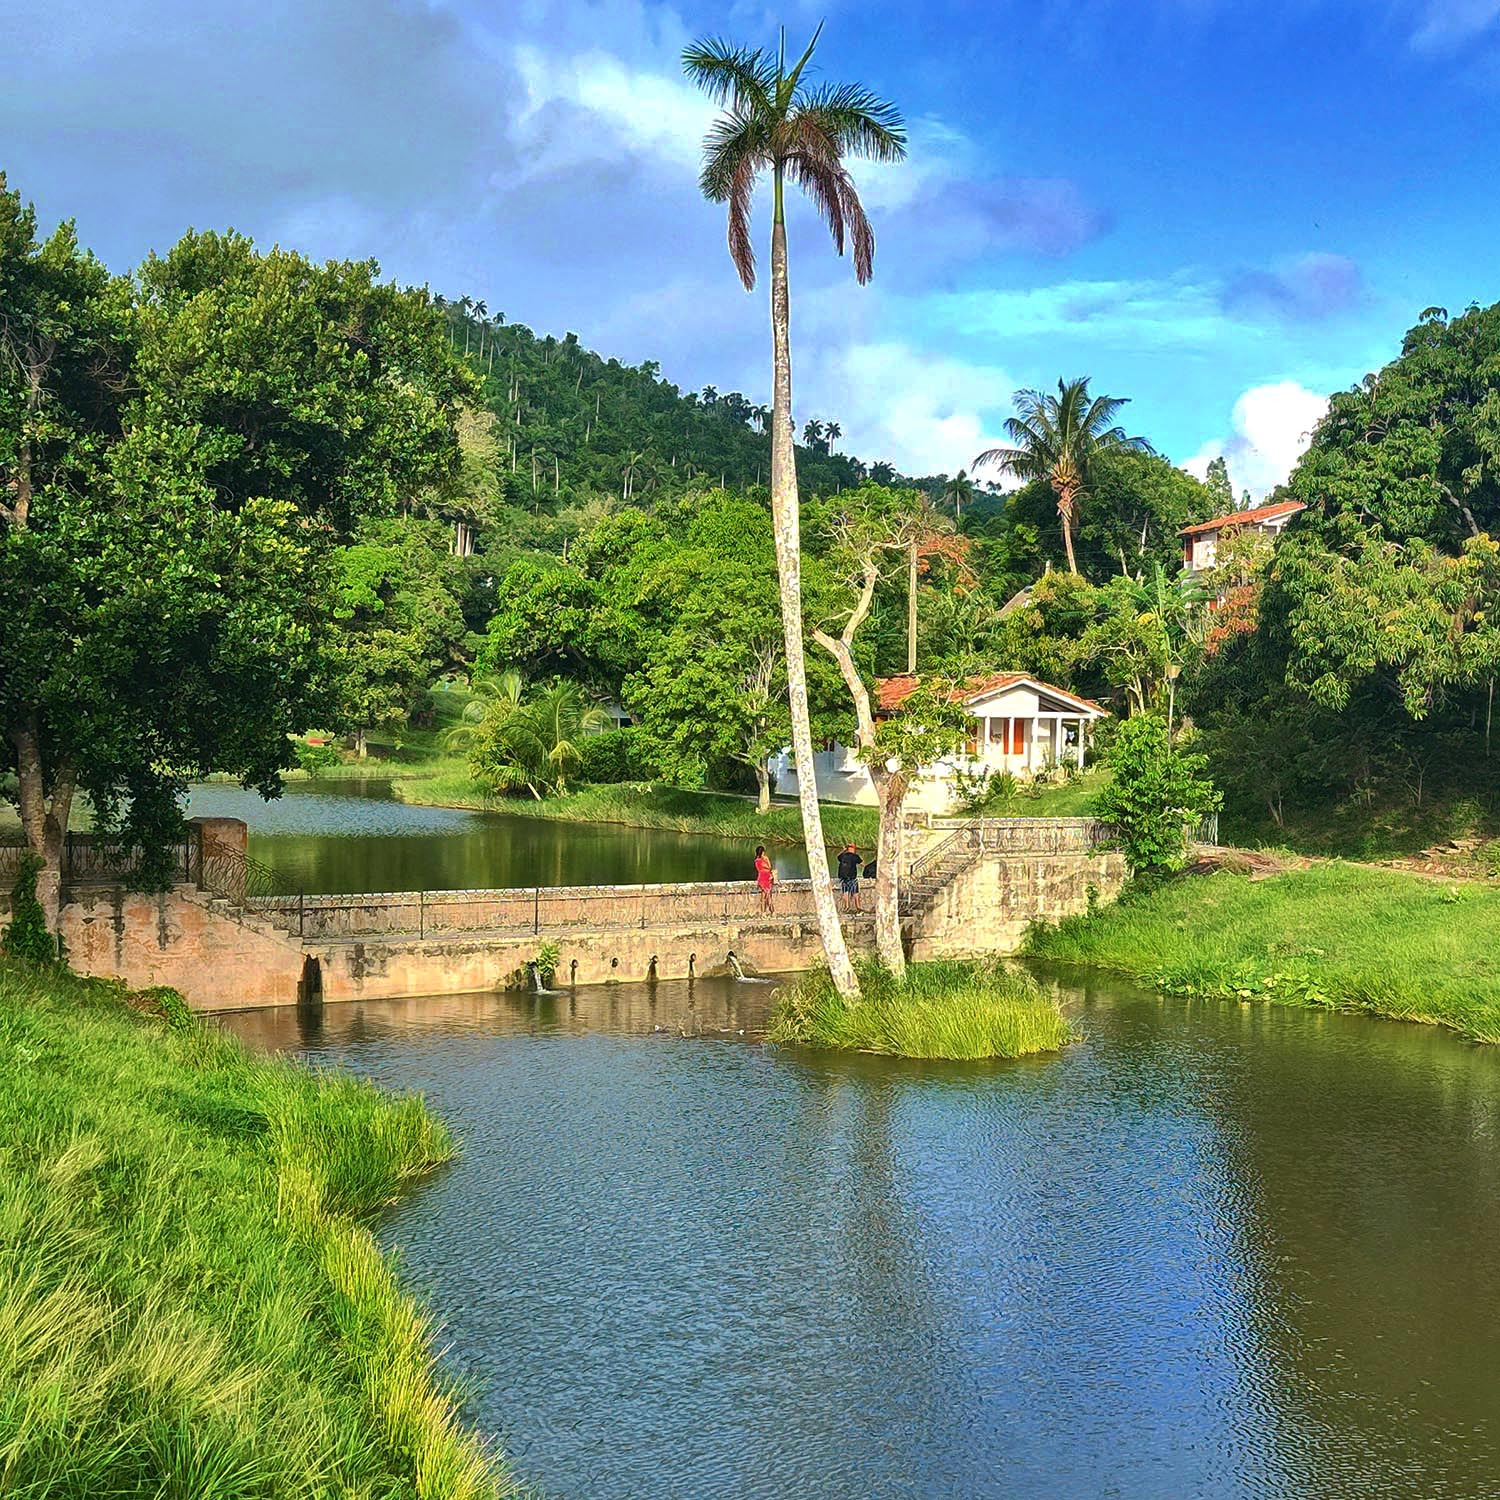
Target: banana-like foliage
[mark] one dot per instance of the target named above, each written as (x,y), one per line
(527,744)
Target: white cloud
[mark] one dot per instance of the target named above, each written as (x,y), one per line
(1169,311)
(1271,425)
(645,112)
(925,413)
(1449,24)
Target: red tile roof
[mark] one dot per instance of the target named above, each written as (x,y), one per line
(1239,517)
(892,692)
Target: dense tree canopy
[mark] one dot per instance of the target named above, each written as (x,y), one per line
(178,453)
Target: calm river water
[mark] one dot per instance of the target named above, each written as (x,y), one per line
(353,836)
(1211,1251)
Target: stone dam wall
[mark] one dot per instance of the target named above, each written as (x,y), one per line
(235,951)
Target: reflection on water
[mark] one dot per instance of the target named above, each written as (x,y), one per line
(1210,1251)
(334,836)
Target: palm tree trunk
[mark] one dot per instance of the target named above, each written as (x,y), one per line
(1065,514)
(784,513)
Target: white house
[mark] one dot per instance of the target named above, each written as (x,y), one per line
(1200,543)
(1021,725)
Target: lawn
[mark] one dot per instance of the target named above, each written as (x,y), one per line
(1338,935)
(190,1302)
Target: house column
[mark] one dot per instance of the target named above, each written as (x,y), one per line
(1082,735)
(1031,749)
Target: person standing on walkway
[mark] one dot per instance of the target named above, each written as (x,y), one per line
(849,863)
(765,878)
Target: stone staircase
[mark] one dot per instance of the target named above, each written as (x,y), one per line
(940,867)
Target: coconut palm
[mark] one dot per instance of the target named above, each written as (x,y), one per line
(1057,438)
(774,123)
(959,492)
(489,697)
(531,745)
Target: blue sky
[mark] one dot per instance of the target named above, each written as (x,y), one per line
(1221,210)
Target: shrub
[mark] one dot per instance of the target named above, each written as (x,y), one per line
(616,755)
(315,758)
(1156,792)
(26,936)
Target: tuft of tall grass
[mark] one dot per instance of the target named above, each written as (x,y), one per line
(961,1011)
(190,1303)
(1338,936)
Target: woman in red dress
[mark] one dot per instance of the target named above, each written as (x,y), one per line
(764,877)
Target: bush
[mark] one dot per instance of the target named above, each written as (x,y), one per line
(315,758)
(1156,793)
(26,936)
(616,755)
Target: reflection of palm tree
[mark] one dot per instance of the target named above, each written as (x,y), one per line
(773,123)
(1057,438)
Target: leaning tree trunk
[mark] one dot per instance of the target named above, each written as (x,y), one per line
(891,788)
(784,513)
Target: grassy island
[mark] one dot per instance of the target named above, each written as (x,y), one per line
(1335,935)
(189,1301)
(952,1010)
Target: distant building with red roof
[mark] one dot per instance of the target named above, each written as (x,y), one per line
(1200,542)
(1022,725)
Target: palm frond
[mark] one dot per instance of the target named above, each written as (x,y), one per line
(1016,461)
(741,247)
(736,136)
(786,85)
(820,181)
(857,121)
(742,76)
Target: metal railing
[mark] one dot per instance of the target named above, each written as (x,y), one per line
(535,909)
(89,860)
(233,874)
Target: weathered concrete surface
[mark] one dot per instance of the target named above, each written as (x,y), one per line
(988,907)
(227,953)
(220,957)
(387,966)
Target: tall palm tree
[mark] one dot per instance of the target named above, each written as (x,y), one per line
(959,492)
(773,122)
(1057,438)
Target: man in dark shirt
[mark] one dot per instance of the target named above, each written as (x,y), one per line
(849,863)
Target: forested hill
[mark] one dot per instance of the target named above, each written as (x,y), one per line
(570,425)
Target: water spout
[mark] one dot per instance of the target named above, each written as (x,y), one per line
(734,965)
(537,987)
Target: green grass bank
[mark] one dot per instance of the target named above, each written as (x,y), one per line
(651,805)
(956,1011)
(190,1302)
(1337,935)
